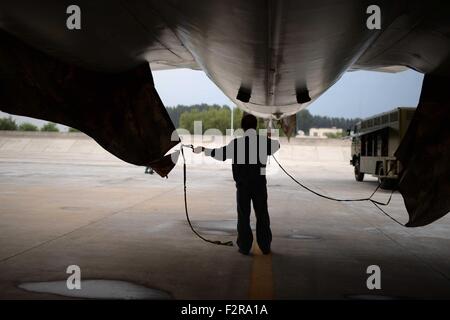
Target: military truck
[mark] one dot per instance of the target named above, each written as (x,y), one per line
(374,142)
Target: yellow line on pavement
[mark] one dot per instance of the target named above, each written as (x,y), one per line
(261,281)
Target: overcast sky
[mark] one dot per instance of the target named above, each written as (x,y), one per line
(356,94)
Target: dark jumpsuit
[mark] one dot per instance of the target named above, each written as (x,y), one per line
(249,154)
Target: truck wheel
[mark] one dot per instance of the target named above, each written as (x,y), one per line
(359,176)
(388,184)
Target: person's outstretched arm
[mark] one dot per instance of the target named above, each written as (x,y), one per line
(221,154)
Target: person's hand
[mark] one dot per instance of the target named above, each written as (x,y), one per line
(199,149)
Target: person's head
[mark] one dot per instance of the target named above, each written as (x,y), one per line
(248,121)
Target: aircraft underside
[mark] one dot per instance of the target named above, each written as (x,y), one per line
(272,58)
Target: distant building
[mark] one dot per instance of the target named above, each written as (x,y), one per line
(322,132)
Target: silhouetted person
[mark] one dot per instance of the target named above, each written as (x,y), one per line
(249,157)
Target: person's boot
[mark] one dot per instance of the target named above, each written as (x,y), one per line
(265,251)
(245,253)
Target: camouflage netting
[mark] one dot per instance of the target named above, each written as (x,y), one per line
(122,112)
(425,155)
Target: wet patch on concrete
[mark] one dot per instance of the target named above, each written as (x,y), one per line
(297,234)
(98,289)
(217,232)
(217,227)
(302,237)
(74,208)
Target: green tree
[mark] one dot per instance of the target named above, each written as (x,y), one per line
(306,121)
(26,126)
(8,124)
(237,116)
(73,130)
(214,117)
(175,112)
(50,127)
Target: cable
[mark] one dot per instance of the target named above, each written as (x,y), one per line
(376,203)
(388,215)
(225,243)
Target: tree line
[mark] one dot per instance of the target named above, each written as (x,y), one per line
(306,121)
(10,124)
(212,117)
(218,117)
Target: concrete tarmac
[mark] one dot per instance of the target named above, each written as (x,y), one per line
(65,201)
